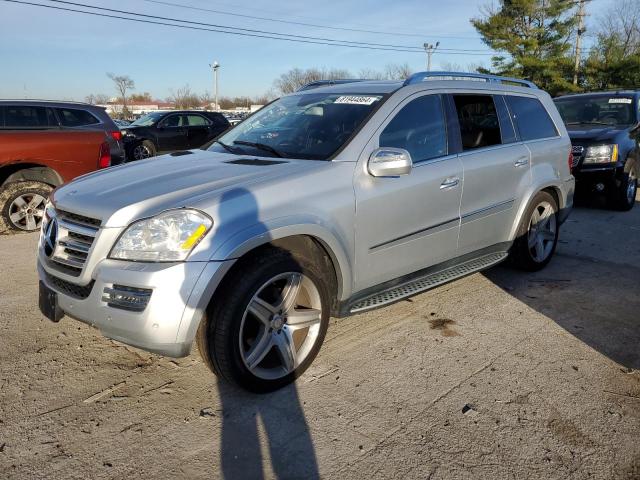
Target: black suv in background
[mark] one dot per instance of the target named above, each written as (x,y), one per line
(604,128)
(45,114)
(163,132)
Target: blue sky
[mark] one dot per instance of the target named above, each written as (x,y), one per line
(62,55)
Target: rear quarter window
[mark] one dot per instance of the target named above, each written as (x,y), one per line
(25,116)
(531,118)
(72,117)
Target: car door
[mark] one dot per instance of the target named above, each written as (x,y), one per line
(409,222)
(199,129)
(496,171)
(172,133)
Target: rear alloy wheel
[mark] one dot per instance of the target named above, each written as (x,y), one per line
(538,234)
(22,205)
(269,324)
(144,150)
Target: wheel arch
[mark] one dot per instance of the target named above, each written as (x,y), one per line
(26,171)
(553,189)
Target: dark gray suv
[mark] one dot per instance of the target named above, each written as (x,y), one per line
(65,115)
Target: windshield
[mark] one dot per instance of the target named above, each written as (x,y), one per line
(148,119)
(597,110)
(308,126)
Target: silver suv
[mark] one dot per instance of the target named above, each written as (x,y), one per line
(327,202)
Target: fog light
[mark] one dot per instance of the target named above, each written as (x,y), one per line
(599,187)
(127,298)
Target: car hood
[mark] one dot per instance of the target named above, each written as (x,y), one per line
(122,194)
(596,134)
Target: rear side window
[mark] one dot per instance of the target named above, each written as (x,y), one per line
(174,121)
(73,117)
(28,117)
(419,128)
(530,118)
(478,119)
(197,120)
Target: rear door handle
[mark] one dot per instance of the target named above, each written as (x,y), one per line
(521,162)
(449,183)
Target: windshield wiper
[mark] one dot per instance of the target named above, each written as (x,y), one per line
(589,123)
(225,146)
(260,146)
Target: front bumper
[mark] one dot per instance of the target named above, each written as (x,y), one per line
(586,176)
(168,324)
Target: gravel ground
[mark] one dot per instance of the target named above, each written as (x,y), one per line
(499,375)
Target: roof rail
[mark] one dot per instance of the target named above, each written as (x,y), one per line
(478,77)
(325,83)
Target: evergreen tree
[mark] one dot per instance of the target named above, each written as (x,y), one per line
(533,37)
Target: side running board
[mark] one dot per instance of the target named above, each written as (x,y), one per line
(427,282)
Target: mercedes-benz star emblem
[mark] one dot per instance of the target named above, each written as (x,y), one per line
(50,237)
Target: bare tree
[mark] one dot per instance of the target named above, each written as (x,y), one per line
(185,98)
(123,84)
(97,99)
(398,71)
(371,74)
(292,80)
(141,97)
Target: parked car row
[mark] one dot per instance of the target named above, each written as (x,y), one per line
(604,128)
(163,132)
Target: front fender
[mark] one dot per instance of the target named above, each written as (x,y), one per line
(245,240)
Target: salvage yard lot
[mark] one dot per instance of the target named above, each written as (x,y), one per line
(502,374)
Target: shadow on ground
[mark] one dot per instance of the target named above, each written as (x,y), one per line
(592,286)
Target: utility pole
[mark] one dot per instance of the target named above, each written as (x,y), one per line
(430,48)
(215,66)
(581,30)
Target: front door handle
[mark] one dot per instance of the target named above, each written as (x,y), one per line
(449,183)
(521,162)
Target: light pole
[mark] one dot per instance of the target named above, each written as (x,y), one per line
(430,48)
(215,66)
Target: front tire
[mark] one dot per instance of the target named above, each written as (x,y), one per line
(537,235)
(623,195)
(143,150)
(22,205)
(267,323)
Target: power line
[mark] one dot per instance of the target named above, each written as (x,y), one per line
(306,37)
(304,24)
(233,30)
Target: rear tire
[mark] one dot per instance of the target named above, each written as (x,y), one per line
(22,205)
(259,335)
(537,235)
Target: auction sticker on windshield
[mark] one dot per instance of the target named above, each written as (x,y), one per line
(620,100)
(357,99)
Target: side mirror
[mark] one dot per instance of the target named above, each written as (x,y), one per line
(390,162)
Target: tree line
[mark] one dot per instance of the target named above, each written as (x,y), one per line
(535,40)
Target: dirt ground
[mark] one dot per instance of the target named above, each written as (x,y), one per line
(499,375)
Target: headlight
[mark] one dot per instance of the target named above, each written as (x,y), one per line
(168,237)
(601,154)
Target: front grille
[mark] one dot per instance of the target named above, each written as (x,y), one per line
(578,152)
(76,234)
(68,288)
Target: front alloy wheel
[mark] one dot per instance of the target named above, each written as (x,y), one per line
(140,152)
(267,321)
(280,325)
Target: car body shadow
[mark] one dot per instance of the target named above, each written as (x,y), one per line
(591,288)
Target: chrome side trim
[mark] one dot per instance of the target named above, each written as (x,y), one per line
(486,211)
(417,234)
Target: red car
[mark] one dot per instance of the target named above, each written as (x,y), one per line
(34,162)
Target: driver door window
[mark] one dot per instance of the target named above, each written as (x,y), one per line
(418,128)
